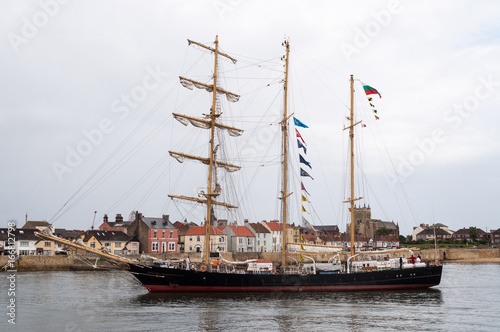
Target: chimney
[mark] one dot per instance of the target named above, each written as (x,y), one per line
(105,219)
(245,222)
(118,218)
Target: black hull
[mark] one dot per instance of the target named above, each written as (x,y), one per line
(159,279)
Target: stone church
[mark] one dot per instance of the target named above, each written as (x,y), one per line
(365,225)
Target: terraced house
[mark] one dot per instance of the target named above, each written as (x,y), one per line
(115,242)
(156,235)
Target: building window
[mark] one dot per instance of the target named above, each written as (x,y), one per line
(249,241)
(171,246)
(47,253)
(198,238)
(24,244)
(134,245)
(118,244)
(190,238)
(171,234)
(154,234)
(190,248)
(163,246)
(24,252)
(221,239)
(117,252)
(46,244)
(92,244)
(107,244)
(154,246)
(240,240)
(163,234)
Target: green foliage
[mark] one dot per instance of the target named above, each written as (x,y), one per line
(473,233)
(382,231)
(402,239)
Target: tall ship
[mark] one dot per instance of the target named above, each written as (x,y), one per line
(357,271)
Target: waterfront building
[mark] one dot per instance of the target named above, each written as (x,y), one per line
(182,228)
(156,235)
(427,234)
(463,234)
(239,238)
(495,237)
(276,233)
(114,242)
(263,238)
(195,240)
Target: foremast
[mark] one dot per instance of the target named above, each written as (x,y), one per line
(351,200)
(284,126)
(213,188)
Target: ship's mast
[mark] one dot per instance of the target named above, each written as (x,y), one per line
(210,194)
(209,122)
(351,200)
(284,127)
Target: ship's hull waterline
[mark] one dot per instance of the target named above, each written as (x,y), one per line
(160,279)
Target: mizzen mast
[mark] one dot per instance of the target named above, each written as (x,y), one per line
(351,200)
(284,126)
(210,122)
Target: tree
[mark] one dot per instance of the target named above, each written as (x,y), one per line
(473,233)
(382,231)
(402,239)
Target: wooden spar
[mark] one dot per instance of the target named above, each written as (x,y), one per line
(285,143)
(78,246)
(203,201)
(210,194)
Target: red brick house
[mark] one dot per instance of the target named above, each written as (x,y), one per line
(156,235)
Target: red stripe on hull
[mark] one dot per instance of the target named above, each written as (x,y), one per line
(168,288)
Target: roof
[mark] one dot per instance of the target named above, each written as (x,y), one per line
(386,224)
(430,231)
(158,223)
(35,224)
(106,236)
(200,230)
(309,237)
(327,228)
(66,233)
(274,226)
(241,231)
(259,228)
(26,234)
(119,223)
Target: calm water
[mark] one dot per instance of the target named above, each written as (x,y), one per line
(468,299)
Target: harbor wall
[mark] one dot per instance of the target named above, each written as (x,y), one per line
(55,263)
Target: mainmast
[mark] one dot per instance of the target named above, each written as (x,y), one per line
(284,127)
(213,189)
(351,200)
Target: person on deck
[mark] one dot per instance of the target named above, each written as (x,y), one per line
(412,259)
(187,263)
(215,264)
(419,259)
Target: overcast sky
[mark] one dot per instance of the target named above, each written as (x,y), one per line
(78,77)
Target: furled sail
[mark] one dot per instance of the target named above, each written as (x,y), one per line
(190,84)
(181,157)
(205,124)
